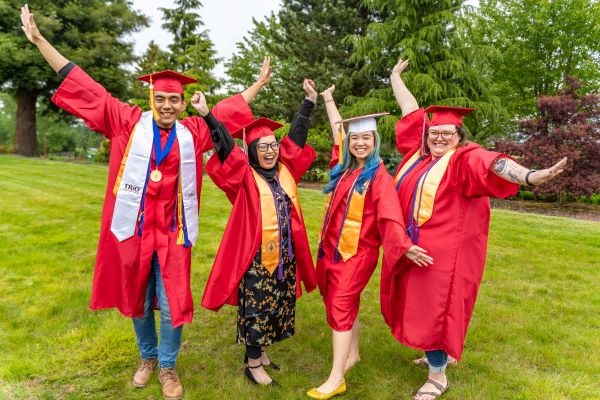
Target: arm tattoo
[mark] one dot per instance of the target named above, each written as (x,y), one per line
(509,170)
(512,175)
(499,165)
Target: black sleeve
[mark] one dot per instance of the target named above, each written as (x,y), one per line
(301,123)
(64,71)
(220,136)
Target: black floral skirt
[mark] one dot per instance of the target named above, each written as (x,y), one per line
(266,305)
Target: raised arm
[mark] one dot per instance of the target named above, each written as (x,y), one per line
(221,138)
(56,60)
(404,97)
(298,132)
(509,170)
(333,114)
(294,153)
(263,79)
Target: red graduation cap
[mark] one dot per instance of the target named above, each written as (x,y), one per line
(257,129)
(447,115)
(168,81)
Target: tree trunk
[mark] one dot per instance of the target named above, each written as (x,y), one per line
(25,131)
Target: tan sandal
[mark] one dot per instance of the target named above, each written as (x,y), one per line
(437,385)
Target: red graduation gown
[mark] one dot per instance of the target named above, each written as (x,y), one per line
(122,268)
(243,234)
(341,283)
(429,308)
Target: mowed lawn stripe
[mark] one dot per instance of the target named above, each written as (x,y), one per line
(534,323)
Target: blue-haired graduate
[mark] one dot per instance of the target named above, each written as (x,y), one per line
(361,214)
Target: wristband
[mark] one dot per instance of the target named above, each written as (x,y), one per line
(527,177)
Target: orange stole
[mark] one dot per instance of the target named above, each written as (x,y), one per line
(426,188)
(350,234)
(270,225)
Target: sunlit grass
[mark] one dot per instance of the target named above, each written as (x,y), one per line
(534,334)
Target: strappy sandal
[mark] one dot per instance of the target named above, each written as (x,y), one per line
(251,378)
(271,364)
(437,385)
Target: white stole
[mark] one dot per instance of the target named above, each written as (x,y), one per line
(131,186)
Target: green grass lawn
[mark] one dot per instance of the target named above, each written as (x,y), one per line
(535,333)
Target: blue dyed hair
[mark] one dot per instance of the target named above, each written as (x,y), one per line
(371,165)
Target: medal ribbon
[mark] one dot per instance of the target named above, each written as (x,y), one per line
(161,154)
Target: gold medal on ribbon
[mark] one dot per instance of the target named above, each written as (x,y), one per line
(155,176)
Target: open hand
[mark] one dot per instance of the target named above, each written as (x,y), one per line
(418,256)
(544,175)
(199,103)
(328,93)
(399,67)
(309,88)
(265,71)
(29,26)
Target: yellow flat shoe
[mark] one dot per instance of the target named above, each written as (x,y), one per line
(315,394)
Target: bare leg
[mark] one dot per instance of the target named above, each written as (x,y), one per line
(341,348)
(354,353)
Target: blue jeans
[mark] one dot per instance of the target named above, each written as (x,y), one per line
(145,328)
(437,359)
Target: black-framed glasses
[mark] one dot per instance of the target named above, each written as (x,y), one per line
(446,135)
(264,147)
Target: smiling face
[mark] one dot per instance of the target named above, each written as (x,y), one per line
(267,151)
(441,139)
(361,145)
(169,107)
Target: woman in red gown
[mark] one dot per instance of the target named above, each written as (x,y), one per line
(443,184)
(264,253)
(361,215)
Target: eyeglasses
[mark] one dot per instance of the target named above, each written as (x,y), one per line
(264,147)
(446,135)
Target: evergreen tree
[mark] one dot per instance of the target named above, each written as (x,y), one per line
(191,53)
(91,33)
(444,66)
(305,39)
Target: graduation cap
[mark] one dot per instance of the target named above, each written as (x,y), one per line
(257,129)
(167,81)
(442,115)
(363,123)
(447,115)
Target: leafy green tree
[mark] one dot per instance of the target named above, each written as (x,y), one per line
(444,64)
(91,33)
(8,108)
(305,40)
(538,43)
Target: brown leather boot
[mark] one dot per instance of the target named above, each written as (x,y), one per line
(171,386)
(143,373)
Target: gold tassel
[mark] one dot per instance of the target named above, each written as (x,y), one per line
(244,141)
(341,141)
(154,112)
